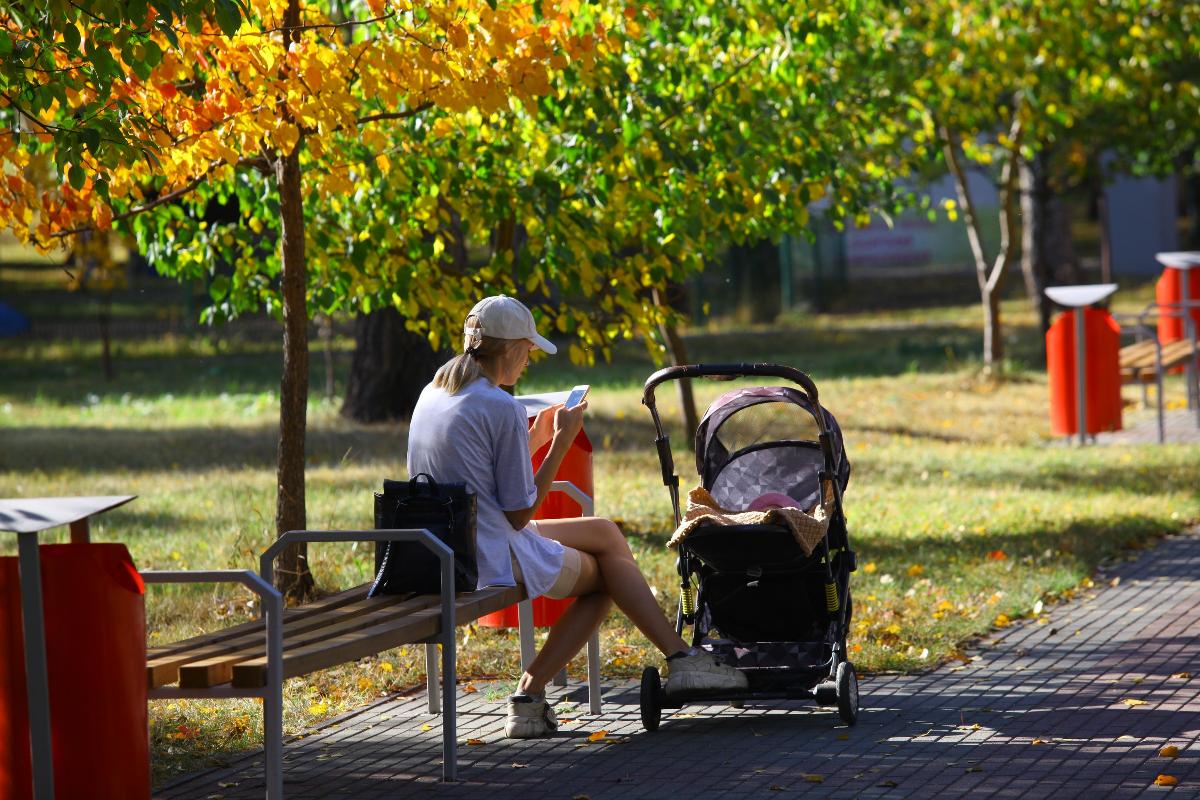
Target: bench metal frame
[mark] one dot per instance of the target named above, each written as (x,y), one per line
(1139,325)
(272,693)
(272,609)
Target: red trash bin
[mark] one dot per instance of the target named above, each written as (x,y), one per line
(1169,290)
(95,621)
(576,468)
(1103,374)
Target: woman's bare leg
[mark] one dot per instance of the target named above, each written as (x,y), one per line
(610,572)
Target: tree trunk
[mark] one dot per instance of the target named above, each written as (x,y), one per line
(390,368)
(990,272)
(1033,266)
(292,576)
(993,330)
(679,356)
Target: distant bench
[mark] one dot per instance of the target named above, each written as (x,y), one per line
(254,658)
(1147,360)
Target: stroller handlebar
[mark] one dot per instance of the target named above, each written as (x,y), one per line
(729,371)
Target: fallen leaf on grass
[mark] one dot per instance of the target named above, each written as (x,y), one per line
(1133,701)
(1170,751)
(813,778)
(1166,780)
(475,742)
(997,555)
(597,736)
(1002,621)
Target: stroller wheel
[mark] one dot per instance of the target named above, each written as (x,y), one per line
(651,697)
(847,693)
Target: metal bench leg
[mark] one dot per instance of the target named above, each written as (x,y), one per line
(593,659)
(525,629)
(450,713)
(431,677)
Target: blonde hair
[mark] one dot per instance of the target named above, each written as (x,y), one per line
(465,368)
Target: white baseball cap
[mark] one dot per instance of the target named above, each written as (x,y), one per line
(504,317)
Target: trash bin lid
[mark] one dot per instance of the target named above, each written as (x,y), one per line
(30,514)
(1079,296)
(1182,259)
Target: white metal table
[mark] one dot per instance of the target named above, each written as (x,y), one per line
(27,517)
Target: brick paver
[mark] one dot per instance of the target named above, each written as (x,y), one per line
(1141,427)
(1077,707)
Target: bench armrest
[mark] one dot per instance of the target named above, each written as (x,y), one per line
(270,597)
(587,504)
(435,545)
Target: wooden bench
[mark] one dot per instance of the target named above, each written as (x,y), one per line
(1147,360)
(253,659)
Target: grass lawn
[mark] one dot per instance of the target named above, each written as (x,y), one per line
(965,516)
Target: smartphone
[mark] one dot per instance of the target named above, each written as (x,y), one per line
(576,396)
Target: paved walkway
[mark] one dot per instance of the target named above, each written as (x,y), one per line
(1141,427)
(1079,707)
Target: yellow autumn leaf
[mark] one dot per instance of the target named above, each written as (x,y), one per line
(1170,751)
(1133,701)
(1002,621)
(475,742)
(470,689)
(426,727)
(597,736)
(317,709)
(1166,780)
(914,570)
(813,778)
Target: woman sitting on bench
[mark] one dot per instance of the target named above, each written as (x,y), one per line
(466,429)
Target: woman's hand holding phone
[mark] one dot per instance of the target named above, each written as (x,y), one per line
(568,421)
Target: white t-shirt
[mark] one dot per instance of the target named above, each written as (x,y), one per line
(480,437)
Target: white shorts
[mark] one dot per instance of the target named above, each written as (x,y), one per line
(568,576)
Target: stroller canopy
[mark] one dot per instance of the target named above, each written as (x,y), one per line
(736,468)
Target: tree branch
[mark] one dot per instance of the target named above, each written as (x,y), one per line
(1008,191)
(950,148)
(412,112)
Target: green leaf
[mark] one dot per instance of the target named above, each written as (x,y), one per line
(76,177)
(6,44)
(218,288)
(228,17)
(91,139)
(153,53)
(71,37)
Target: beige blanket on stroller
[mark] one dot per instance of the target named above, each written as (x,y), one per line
(808,528)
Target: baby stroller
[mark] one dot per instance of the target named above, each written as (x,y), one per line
(763,605)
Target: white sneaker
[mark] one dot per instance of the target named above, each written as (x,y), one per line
(529,717)
(702,672)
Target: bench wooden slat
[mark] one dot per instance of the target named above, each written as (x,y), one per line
(164,669)
(413,628)
(206,670)
(1137,360)
(299,612)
